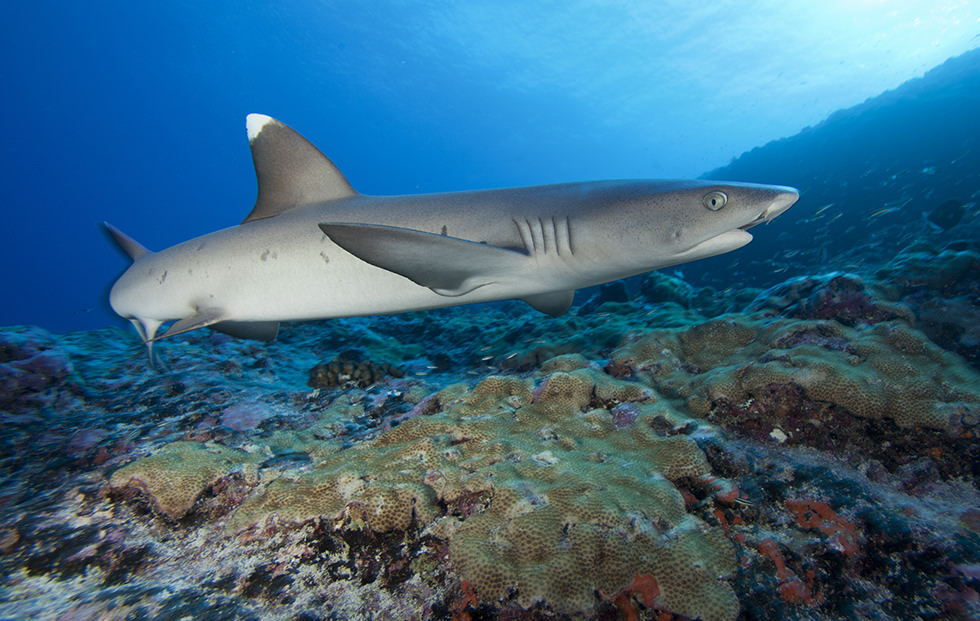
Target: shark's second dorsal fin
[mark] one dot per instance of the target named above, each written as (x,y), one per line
(289,169)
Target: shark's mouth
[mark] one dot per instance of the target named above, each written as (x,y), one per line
(761,219)
(719,244)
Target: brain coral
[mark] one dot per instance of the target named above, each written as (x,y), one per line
(173,479)
(886,370)
(542,497)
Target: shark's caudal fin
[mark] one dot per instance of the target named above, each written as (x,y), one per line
(289,169)
(127,244)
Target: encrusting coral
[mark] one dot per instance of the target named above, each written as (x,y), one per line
(885,370)
(543,494)
(174,478)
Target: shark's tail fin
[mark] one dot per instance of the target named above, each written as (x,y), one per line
(126,243)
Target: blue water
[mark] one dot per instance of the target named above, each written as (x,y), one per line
(134,113)
(826,370)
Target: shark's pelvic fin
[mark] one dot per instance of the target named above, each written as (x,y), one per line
(448,265)
(289,169)
(128,245)
(553,304)
(215,319)
(201,319)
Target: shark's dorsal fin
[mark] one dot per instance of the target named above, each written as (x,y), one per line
(289,169)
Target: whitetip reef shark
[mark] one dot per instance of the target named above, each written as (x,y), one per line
(314,248)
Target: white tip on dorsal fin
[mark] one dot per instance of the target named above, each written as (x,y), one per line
(254,124)
(289,169)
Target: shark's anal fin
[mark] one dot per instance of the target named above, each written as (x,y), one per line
(553,304)
(448,265)
(290,171)
(252,330)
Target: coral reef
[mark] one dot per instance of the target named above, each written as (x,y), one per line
(350,366)
(175,477)
(558,499)
(33,369)
(885,370)
(942,287)
(805,452)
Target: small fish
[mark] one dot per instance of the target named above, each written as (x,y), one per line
(823,209)
(881,212)
(899,203)
(960,157)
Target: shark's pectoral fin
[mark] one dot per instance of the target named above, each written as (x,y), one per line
(201,319)
(253,330)
(448,265)
(553,304)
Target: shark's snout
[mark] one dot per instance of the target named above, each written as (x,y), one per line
(784,199)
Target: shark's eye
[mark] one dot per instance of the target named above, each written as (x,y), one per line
(714,200)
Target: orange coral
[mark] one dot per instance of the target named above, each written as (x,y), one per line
(791,588)
(469,599)
(645,587)
(819,515)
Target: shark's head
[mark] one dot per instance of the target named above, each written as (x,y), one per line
(672,222)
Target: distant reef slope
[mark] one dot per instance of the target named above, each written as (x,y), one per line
(867,176)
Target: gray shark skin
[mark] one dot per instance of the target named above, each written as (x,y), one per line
(313,248)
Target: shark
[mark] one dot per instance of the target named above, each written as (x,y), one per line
(314,248)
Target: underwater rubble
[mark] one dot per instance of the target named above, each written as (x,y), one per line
(807,451)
